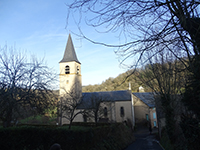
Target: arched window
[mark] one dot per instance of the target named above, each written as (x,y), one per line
(105,112)
(122,111)
(67,81)
(77,70)
(67,70)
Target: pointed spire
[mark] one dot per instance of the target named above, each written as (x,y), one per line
(70,54)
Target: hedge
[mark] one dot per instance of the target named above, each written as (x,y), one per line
(115,137)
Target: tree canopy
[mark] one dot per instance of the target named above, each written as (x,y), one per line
(121,82)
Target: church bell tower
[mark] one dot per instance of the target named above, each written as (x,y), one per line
(70,70)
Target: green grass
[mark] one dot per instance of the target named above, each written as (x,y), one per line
(27,120)
(39,119)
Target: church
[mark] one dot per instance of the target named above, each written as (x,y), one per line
(111,106)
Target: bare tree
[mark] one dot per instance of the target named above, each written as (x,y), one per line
(147,25)
(99,108)
(167,77)
(69,103)
(24,85)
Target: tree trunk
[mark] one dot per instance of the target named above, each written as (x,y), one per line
(7,121)
(70,124)
(169,117)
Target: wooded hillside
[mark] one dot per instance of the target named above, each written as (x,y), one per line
(121,82)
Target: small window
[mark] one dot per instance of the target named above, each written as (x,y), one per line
(147,117)
(154,115)
(122,111)
(67,70)
(77,70)
(67,81)
(154,123)
(105,112)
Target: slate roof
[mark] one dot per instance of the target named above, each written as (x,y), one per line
(146,97)
(104,96)
(69,54)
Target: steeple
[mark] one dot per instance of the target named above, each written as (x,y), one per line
(69,54)
(70,70)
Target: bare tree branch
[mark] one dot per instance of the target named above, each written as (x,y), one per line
(23,86)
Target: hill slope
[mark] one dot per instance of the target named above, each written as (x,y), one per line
(121,82)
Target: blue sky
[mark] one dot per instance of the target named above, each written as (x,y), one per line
(39,27)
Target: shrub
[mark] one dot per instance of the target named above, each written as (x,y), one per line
(116,136)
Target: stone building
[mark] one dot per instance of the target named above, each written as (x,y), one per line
(115,106)
(144,109)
